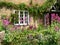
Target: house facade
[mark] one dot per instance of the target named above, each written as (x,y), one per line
(24,18)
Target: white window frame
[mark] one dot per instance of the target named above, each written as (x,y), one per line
(23,17)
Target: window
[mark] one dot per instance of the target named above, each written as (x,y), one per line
(23,17)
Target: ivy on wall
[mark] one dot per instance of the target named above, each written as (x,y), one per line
(35,10)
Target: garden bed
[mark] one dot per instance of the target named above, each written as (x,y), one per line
(32,37)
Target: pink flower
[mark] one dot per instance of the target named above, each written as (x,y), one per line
(53,16)
(30,27)
(58,20)
(56,16)
(6,22)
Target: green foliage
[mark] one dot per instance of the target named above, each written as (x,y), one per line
(10,5)
(47,5)
(3,16)
(22,6)
(14,18)
(3,4)
(35,10)
(40,36)
(32,37)
(1,27)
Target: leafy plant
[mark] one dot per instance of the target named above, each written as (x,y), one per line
(3,16)
(22,6)
(32,37)
(10,5)
(14,18)
(3,4)
(1,27)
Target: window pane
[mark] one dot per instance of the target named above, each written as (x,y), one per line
(21,12)
(21,22)
(26,13)
(26,21)
(26,17)
(21,15)
(21,18)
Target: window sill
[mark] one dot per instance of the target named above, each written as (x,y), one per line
(21,24)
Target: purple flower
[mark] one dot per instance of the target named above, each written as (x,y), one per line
(58,20)
(53,16)
(6,22)
(31,27)
(57,16)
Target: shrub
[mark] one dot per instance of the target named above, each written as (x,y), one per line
(31,37)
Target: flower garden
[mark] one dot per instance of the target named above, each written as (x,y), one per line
(49,35)
(43,35)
